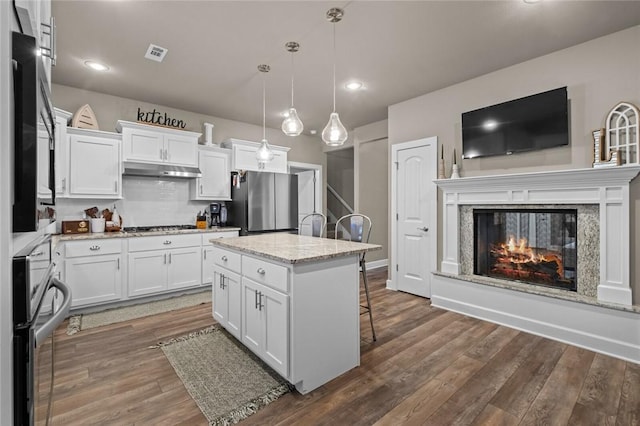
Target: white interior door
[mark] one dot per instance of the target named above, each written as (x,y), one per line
(306,196)
(416,209)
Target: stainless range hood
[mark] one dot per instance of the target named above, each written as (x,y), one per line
(160,170)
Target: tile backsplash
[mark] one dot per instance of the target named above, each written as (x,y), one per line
(146,201)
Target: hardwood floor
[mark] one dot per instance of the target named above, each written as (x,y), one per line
(429,366)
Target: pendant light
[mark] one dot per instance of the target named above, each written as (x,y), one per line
(264,153)
(292,125)
(334,133)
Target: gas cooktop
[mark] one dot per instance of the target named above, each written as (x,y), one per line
(157,228)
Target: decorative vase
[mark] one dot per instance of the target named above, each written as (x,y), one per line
(441,174)
(455,172)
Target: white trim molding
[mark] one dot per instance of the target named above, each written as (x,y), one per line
(606,187)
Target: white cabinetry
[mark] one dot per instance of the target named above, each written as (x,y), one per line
(215,183)
(94,164)
(243,156)
(62,152)
(208,260)
(150,144)
(93,271)
(164,262)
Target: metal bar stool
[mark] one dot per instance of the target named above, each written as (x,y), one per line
(357,227)
(318,223)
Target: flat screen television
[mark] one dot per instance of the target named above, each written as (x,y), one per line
(527,124)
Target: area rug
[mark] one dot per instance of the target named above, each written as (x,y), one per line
(125,313)
(226,380)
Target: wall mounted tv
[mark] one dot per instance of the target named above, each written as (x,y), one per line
(527,124)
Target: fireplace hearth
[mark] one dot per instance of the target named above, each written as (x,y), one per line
(534,246)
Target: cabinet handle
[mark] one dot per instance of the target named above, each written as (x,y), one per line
(256,294)
(224,258)
(169,257)
(261,271)
(50,52)
(37,253)
(161,154)
(118,260)
(260,305)
(200,189)
(204,253)
(166,242)
(166,155)
(64,184)
(94,248)
(165,258)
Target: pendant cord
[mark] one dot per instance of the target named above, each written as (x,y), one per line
(264,107)
(334,67)
(292,72)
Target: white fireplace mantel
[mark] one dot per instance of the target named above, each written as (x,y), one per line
(606,187)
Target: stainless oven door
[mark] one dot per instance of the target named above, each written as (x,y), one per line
(51,313)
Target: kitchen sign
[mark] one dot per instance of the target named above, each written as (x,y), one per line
(159,119)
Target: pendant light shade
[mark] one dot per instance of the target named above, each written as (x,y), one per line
(292,125)
(264,153)
(334,133)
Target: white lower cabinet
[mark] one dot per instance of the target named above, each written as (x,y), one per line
(227,305)
(153,267)
(93,271)
(265,324)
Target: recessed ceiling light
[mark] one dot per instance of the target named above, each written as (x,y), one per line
(354,85)
(96,66)
(313,132)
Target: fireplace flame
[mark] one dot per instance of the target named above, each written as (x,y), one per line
(519,252)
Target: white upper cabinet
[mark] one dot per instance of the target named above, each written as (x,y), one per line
(94,164)
(243,156)
(215,183)
(150,144)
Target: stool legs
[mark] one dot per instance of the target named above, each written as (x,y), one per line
(366,290)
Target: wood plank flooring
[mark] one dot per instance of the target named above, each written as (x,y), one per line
(429,366)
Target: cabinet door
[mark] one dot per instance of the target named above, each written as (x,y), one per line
(143,145)
(244,158)
(251,317)
(215,183)
(147,272)
(275,311)
(233,287)
(94,167)
(278,164)
(94,279)
(181,150)
(220,298)
(61,154)
(184,267)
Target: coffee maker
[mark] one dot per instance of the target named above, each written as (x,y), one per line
(214,210)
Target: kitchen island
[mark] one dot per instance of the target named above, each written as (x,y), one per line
(293,300)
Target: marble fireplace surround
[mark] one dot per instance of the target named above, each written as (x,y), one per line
(600,315)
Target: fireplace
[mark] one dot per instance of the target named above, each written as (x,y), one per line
(534,246)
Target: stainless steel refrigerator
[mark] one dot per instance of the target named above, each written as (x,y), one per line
(264,202)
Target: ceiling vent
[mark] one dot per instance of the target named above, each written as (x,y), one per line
(156,53)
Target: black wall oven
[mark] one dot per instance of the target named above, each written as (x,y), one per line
(34,176)
(38,309)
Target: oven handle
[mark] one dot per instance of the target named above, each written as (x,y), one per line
(48,327)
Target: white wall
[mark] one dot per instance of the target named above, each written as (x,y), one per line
(598,75)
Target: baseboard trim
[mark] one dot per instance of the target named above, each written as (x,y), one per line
(607,331)
(377,264)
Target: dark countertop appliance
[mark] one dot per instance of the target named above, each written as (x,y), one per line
(264,202)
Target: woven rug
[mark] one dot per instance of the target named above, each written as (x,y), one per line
(125,313)
(226,380)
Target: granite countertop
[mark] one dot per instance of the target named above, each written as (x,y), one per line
(101,235)
(289,248)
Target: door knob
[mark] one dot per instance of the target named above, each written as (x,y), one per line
(424,228)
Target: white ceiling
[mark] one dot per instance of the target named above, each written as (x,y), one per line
(399,49)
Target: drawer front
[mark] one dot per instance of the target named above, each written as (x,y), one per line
(163,242)
(269,274)
(92,247)
(226,259)
(214,235)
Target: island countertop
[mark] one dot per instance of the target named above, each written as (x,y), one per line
(289,248)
